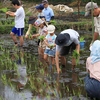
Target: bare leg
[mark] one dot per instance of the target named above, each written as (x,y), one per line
(41,52)
(53,60)
(46,57)
(13,36)
(21,40)
(73,63)
(62,60)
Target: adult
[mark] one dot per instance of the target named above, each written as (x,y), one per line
(48,12)
(19,22)
(67,40)
(92,80)
(92,8)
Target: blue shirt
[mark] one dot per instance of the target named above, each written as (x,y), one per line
(50,39)
(48,13)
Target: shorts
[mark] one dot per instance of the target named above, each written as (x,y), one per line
(50,52)
(42,44)
(18,31)
(65,49)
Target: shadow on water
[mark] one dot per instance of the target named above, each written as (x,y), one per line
(25,77)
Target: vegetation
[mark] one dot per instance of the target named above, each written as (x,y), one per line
(4,10)
(82,39)
(41,37)
(76,56)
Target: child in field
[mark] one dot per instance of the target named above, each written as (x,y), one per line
(19,22)
(41,35)
(50,44)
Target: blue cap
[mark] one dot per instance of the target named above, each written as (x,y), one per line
(39,7)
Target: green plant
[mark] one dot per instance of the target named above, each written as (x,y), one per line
(82,39)
(41,37)
(4,10)
(51,46)
(53,22)
(76,56)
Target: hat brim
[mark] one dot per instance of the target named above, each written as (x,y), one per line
(67,37)
(51,31)
(39,8)
(87,13)
(31,21)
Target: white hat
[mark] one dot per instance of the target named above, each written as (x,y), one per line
(89,6)
(51,28)
(38,22)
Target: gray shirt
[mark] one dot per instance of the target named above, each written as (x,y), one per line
(73,38)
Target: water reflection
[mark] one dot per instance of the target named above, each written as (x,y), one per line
(17,81)
(21,72)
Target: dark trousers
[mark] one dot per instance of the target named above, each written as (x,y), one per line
(92,86)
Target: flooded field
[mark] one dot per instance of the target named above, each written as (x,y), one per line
(23,76)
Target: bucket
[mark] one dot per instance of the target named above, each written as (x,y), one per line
(82,44)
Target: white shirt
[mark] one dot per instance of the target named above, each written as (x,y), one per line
(97,21)
(19,18)
(97,24)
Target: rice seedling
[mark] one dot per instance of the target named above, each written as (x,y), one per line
(4,79)
(4,10)
(76,56)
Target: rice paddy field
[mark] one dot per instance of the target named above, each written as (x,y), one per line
(23,65)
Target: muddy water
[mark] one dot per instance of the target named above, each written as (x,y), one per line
(39,82)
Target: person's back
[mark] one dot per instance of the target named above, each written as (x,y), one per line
(74,35)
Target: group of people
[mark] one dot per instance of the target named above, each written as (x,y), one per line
(54,45)
(50,45)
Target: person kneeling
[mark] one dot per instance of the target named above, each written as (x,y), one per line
(92,80)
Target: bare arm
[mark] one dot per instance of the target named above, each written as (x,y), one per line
(46,42)
(35,35)
(78,48)
(57,61)
(11,13)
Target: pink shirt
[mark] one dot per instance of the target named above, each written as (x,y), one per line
(42,31)
(94,69)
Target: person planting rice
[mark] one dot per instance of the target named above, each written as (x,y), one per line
(41,35)
(65,41)
(19,22)
(50,44)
